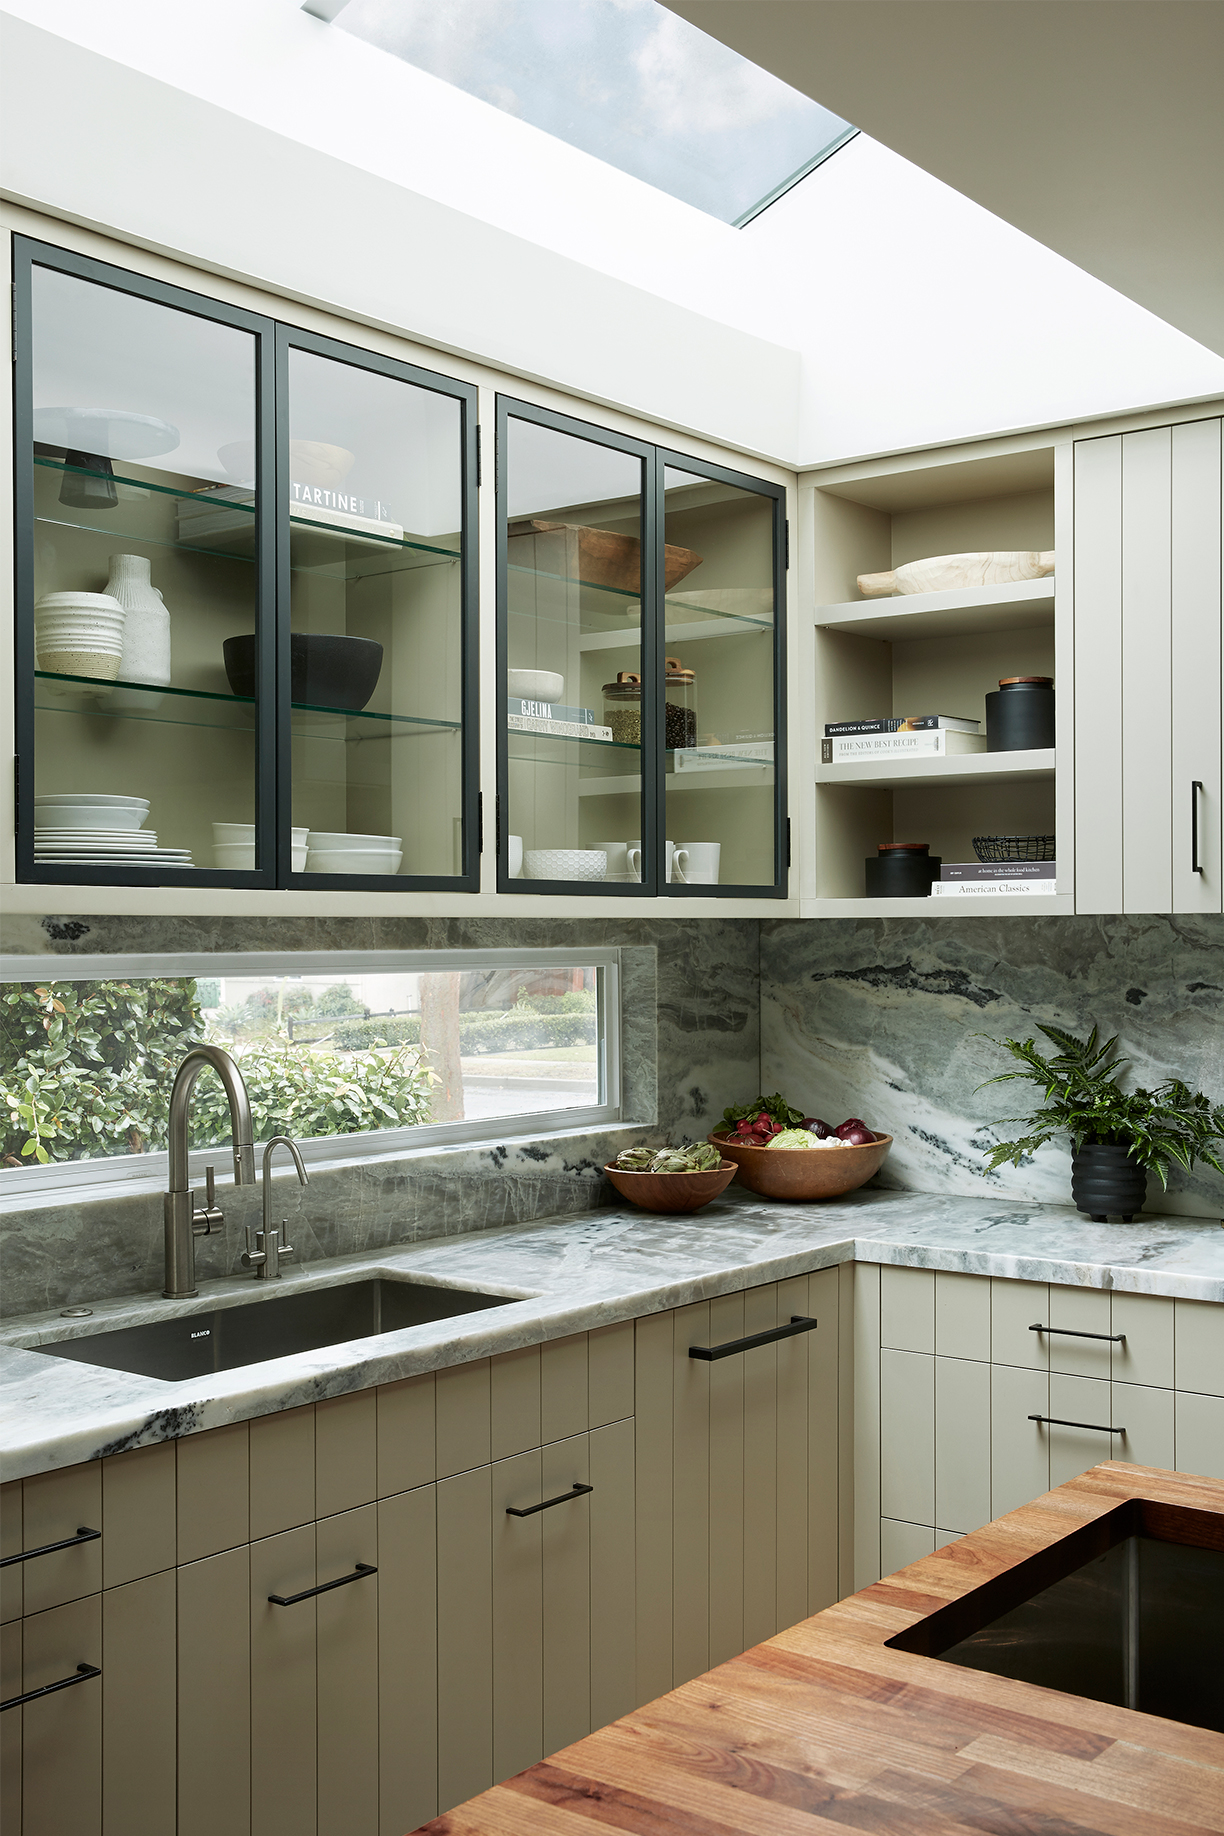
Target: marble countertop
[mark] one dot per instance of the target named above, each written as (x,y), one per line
(566,1275)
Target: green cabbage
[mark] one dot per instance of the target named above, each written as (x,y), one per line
(794,1138)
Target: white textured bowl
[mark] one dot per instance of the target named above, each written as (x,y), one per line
(90,812)
(353,860)
(565,864)
(327,841)
(535,685)
(239,857)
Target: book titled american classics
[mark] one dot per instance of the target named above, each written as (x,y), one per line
(851,748)
(902,723)
(993,889)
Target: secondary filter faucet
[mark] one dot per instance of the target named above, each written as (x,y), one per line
(184,1219)
(269,1245)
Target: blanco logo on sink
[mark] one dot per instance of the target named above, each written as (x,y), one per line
(206,1334)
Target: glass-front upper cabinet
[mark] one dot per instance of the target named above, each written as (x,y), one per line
(246,608)
(640,656)
(374,562)
(722,681)
(137,562)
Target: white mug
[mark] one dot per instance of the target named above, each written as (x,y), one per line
(618,861)
(696,863)
(634,856)
(514,855)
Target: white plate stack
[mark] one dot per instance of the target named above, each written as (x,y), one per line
(86,829)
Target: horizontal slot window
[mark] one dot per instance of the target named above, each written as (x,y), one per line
(348,1053)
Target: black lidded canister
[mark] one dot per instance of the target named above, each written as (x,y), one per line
(1020,714)
(902,870)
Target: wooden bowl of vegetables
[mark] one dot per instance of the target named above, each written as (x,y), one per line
(670,1179)
(837,1161)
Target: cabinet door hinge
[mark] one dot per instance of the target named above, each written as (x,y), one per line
(497,826)
(479,463)
(788,841)
(786,543)
(480,822)
(13,304)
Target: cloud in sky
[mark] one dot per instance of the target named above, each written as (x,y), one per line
(624,80)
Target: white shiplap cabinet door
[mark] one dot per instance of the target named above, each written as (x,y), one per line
(1148,660)
(1198,668)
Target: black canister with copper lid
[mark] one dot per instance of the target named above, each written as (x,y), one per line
(1020,714)
(902,870)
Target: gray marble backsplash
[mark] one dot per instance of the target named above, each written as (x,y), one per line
(895,1020)
(690,1045)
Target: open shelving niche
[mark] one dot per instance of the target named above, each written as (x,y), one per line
(931,653)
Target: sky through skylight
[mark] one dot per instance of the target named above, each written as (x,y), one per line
(624,80)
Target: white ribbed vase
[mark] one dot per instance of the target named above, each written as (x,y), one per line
(146,630)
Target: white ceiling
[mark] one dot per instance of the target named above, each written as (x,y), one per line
(1095,126)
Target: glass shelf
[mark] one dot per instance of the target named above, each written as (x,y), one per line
(321,549)
(210,708)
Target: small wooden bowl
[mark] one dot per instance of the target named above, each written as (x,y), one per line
(803,1173)
(671,1191)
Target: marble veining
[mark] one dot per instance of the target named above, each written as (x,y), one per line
(896,1020)
(568,1276)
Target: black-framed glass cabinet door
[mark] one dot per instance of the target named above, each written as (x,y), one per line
(137,558)
(641,637)
(246,597)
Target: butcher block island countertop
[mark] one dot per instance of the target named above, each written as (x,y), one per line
(825,1726)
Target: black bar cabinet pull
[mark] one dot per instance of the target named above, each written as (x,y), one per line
(359,1573)
(548,1503)
(82,1675)
(798,1323)
(83,1535)
(1196,866)
(1056,1421)
(1069,1332)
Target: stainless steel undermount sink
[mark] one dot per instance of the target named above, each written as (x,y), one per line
(253,1331)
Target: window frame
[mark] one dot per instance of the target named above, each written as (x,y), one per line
(117,1175)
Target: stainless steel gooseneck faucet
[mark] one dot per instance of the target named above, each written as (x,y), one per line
(185,1220)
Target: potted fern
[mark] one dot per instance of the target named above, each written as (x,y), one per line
(1117,1137)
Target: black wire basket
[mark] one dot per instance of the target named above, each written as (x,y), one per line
(1014,847)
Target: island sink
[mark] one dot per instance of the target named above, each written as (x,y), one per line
(252,1332)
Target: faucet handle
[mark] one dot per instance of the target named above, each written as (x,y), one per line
(286,1249)
(210,1218)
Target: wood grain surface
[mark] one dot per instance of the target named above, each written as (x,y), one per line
(824,1725)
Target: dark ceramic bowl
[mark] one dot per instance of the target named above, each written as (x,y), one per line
(325,671)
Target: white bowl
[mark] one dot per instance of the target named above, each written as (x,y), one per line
(329,841)
(90,812)
(239,857)
(231,834)
(565,864)
(353,860)
(535,685)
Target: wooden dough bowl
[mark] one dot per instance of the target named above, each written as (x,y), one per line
(671,1191)
(803,1173)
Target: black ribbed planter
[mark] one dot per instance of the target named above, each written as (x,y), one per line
(1106,1182)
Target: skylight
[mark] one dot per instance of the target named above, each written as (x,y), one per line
(624,80)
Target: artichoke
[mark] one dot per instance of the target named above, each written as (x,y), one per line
(635,1159)
(704,1158)
(671,1160)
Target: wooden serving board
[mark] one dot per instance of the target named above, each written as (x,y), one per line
(824,1727)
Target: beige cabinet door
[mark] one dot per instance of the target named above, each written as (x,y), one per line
(139,1734)
(214,1694)
(284,1743)
(736,1471)
(346,1634)
(61,1734)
